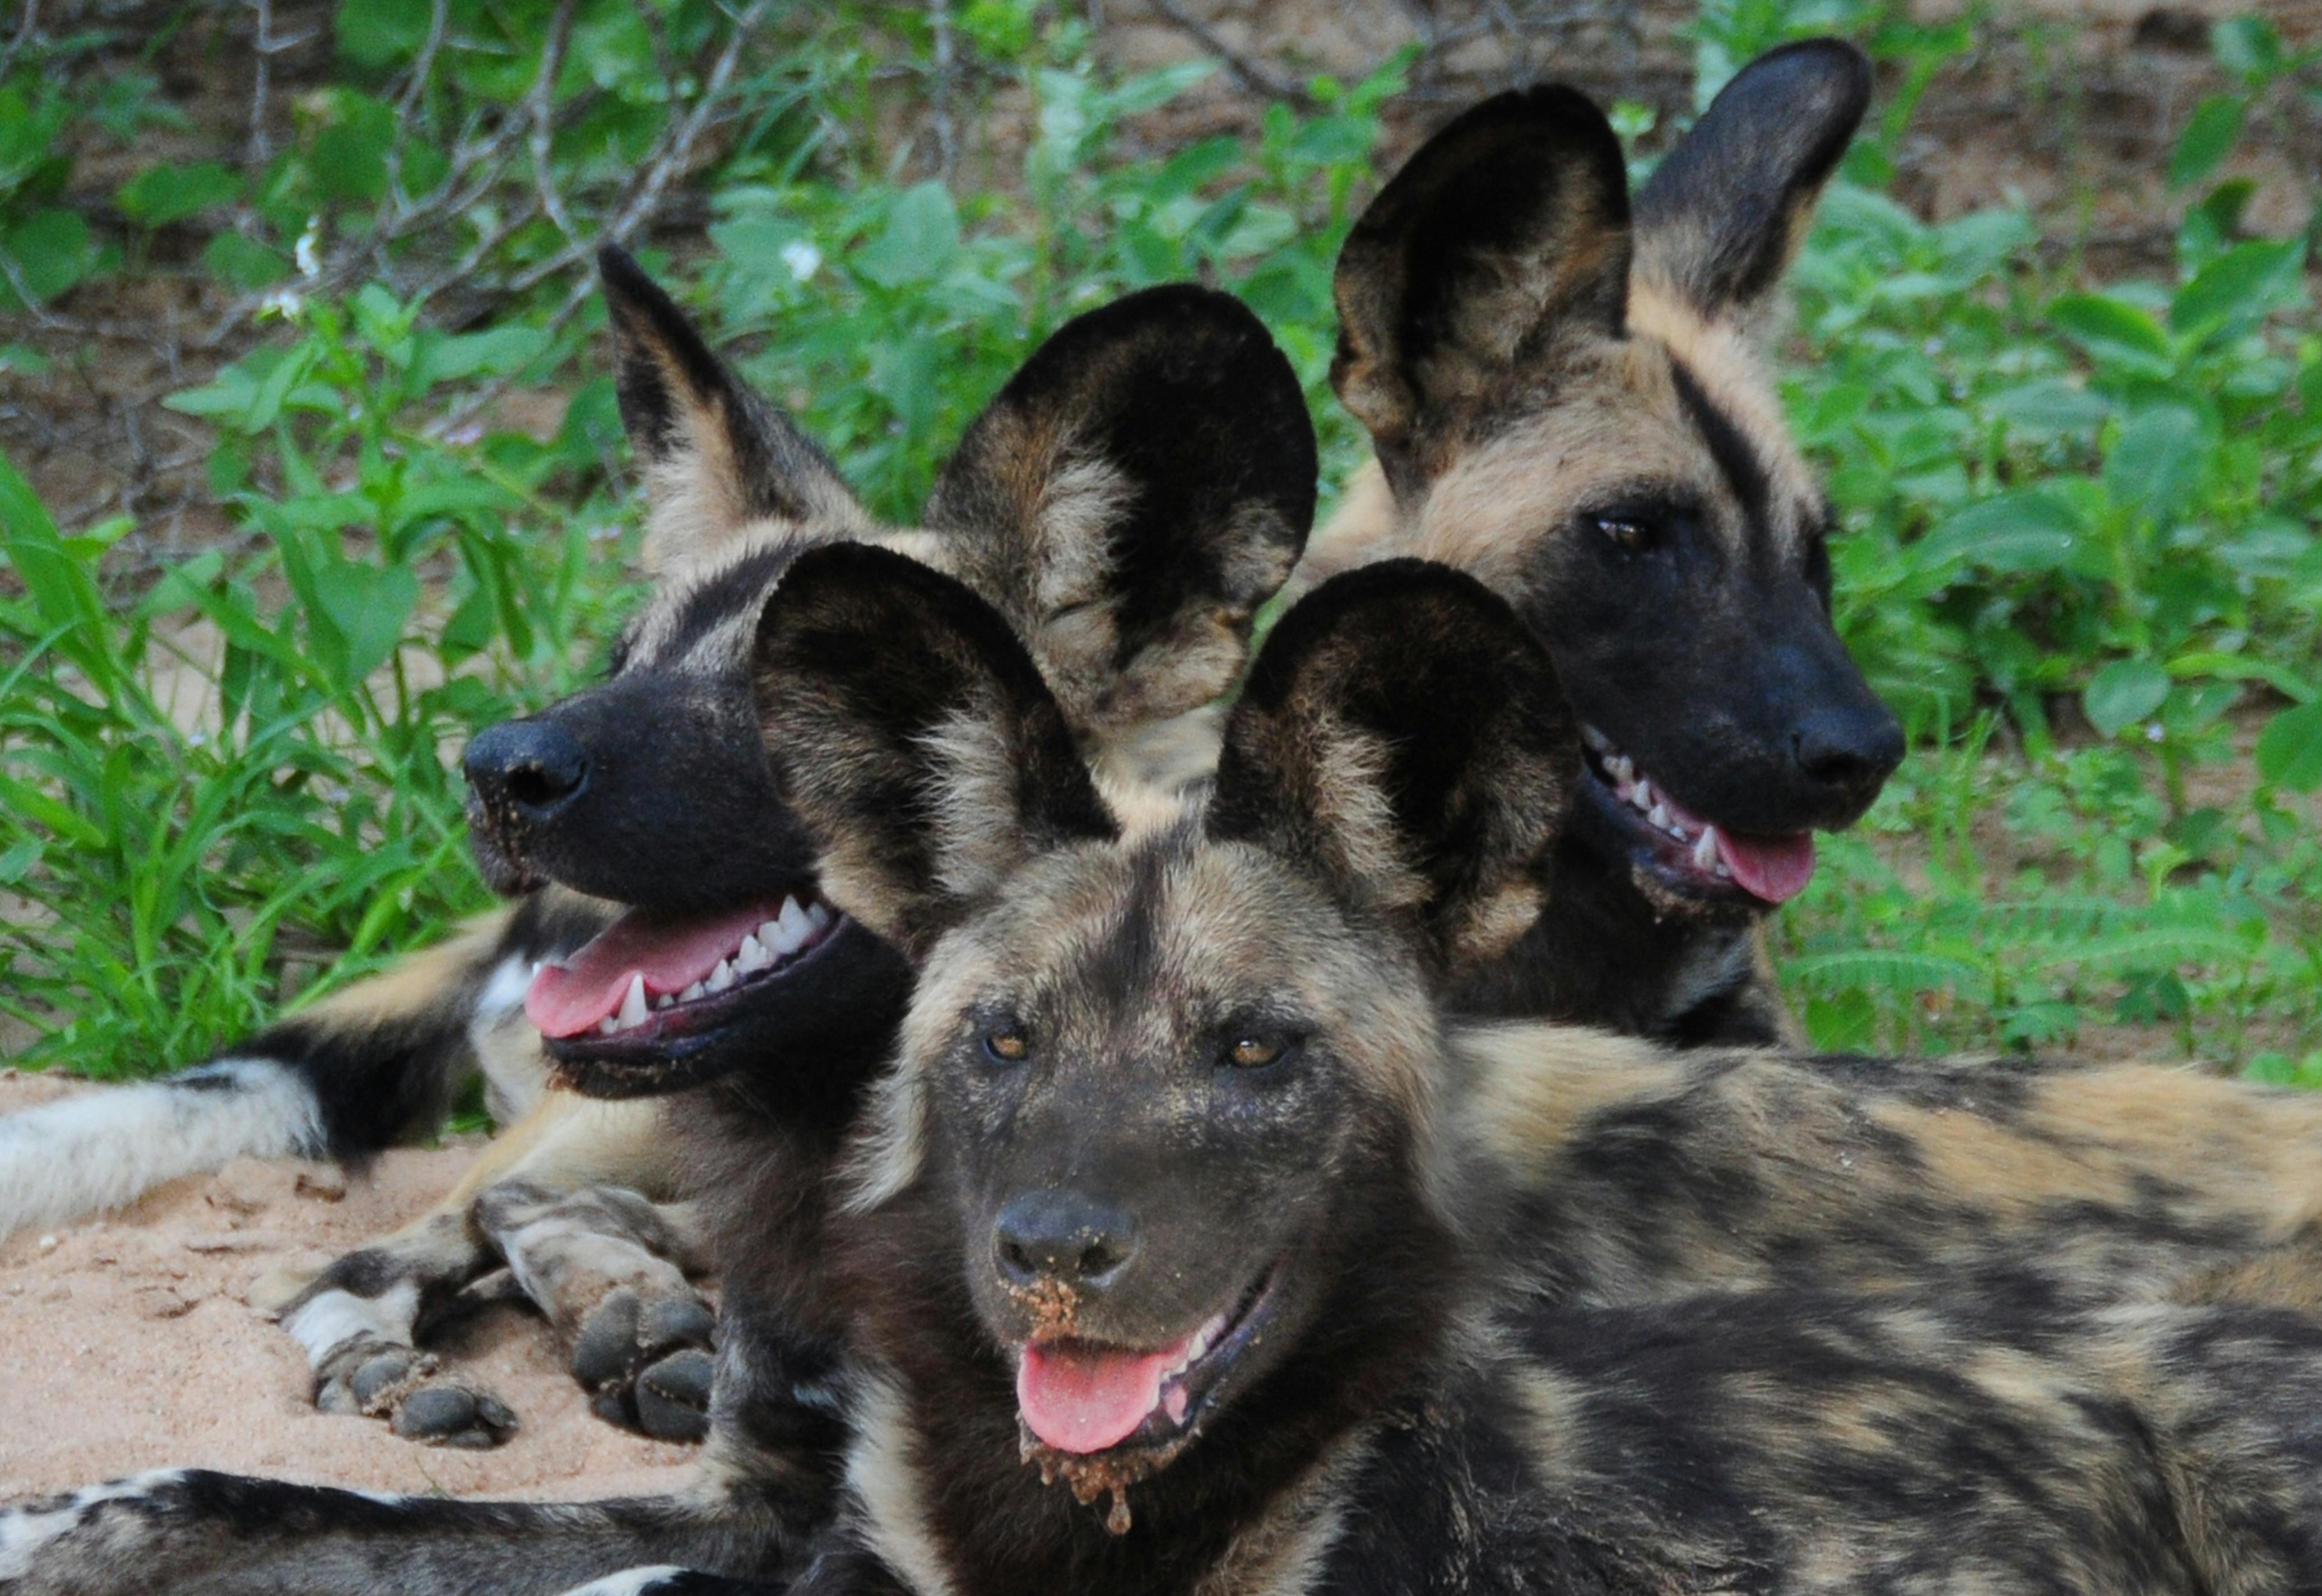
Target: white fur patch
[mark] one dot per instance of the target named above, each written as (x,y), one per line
(334,1318)
(24,1531)
(634,1581)
(885,1480)
(103,1149)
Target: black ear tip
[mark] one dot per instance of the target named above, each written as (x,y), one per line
(624,282)
(1831,70)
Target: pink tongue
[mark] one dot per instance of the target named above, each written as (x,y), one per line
(1080,1398)
(1775,869)
(669,954)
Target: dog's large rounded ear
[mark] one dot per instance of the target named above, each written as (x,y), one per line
(716,455)
(1132,496)
(1402,735)
(915,739)
(1723,216)
(1507,229)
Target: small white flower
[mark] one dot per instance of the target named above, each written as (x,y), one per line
(306,250)
(802,258)
(285,303)
(2153,732)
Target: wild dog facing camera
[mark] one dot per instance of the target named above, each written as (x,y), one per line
(1165,1078)
(1129,500)
(1565,395)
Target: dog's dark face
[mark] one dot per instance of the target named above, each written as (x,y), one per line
(1567,400)
(1129,500)
(1170,1073)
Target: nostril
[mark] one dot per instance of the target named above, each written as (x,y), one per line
(535,766)
(1849,756)
(535,787)
(1065,1237)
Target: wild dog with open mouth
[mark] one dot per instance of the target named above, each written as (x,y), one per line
(1567,400)
(1612,459)
(680,935)
(1127,502)
(1168,1263)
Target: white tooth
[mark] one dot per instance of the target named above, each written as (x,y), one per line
(751,958)
(1623,768)
(607,1025)
(692,991)
(1595,739)
(537,965)
(633,1006)
(1642,794)
(666,1000)
(771,937)
(1659,816)
(817,916)
(796,927)
(1704,851)
(720,978)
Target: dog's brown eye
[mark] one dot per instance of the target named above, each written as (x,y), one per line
(1255,1052)
(1008,1044)
(1635,537)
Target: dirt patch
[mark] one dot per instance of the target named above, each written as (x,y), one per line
(130,1344)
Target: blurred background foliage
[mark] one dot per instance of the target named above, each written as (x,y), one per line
(315,467)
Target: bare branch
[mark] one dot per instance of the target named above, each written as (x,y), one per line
(1256,77)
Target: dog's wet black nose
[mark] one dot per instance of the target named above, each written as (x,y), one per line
(1063,1236)
(534,768)
(1850,751)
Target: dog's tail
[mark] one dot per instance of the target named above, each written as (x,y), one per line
(353,1074)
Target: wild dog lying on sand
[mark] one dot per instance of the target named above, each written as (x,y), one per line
(649,792)
(1165,1250)
(1612,459)
(1129,498)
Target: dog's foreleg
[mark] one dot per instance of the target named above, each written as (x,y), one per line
(191,1533)
(608,1268)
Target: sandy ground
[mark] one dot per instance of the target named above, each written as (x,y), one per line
(129,1344)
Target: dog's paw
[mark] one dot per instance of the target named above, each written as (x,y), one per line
(643,1357)
(404,1386)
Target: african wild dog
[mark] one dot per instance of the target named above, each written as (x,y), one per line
(1168,1263)
(648,792)
(1129,500)
(1488,344)
(1567,401)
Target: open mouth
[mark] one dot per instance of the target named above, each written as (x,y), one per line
(1684,852)
(651,980)
(1083,1398)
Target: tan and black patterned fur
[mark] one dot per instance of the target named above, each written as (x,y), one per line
(1521,1307)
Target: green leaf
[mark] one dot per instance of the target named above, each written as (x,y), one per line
(2114,334)
(458,357)
(920,242)
(167,193)
(2155,463)
(2247,46)
(244,263)
(2207,139)
(369,604)
(377,33)
(2123,694)
(2029,530)
(2239,287)
(2289,748)
(52,251)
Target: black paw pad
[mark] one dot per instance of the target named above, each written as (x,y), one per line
(453,1416)
(673,1397)
(606,1349)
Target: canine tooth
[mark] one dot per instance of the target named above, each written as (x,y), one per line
(752,956)
(692,991)
(633,1006)
(720,978)
(796,927)
(1704,851)
(1642,794)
